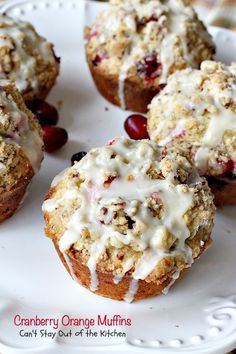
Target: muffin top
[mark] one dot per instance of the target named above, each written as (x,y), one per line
(147,40)
(24,55)
(199,107)
(131,206)
(20,137)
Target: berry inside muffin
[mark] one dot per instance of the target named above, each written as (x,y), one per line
(199,107)
(27,59)
(134,46)
(21,148)
(129,212)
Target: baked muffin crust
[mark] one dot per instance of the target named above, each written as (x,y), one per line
(201,110)
(26,58)
(132,208)
(21,148)
(143,42)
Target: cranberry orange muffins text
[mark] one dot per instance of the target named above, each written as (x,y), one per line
(134,45)
(21,148)
(129,218)
(27,59)
(199,107)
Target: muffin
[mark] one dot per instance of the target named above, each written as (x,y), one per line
(199,107)
(21,148)
(129,218)
(27,59)
(134,45)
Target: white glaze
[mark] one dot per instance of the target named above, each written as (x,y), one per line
(121,83)
(201,159)
(11,36)
(175,276)
(93,196)
(221,122)
(133,288)
(72,273)
(68,238)
(171,25)
(184,91)
(2,167)
(59,177)
(28,139)
(51,204)
(128,264)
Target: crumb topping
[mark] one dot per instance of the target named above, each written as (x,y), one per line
(201,110)
(24,55)
(147,39)
(18,129)
(131,206)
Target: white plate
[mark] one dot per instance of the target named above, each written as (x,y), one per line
(197,316)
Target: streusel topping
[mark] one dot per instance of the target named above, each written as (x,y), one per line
(199,107)
(18,127)
(23,53)
(131,206)
(149,39)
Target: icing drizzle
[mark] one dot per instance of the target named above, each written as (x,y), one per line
(14,35)
(163,25)
(187,91)
(14,127)
(122,159)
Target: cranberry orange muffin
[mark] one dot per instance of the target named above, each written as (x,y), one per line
(21,148)
(27,59)
(199,107)
(129,218)
(134,45)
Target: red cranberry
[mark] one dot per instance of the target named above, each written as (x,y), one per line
(44,112)
(104,211)
(111,142)
(109,180)
(227,166)
(149,67)
(54,138)
(99,57)
(162,86)
(120,256)
(156,197)
(153,18)
(136,127)
(97,60)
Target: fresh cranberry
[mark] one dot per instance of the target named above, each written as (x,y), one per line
(120,256)
(54,138)
(164,153)
(99,57)
(97,60)
(111,142)
(156,197)
(109,180)
(120,204)
(136,127)
(162,86)
(152,18)
(44,112)
(227,166)
(149,67)
(77,157)
(104,211)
